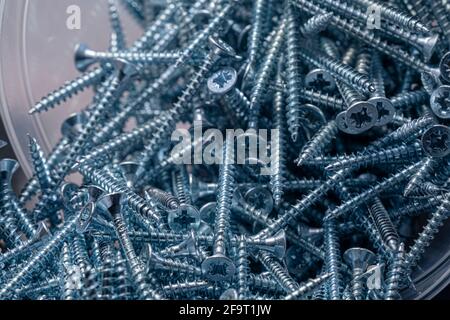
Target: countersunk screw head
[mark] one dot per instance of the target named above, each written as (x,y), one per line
(184,218)
(84,57)
(436,141)
(128,171)
(440,102)
(222,81)
(385,110)
(359,258)
(444,67)
(7,169)
(222,49)
(312,117)
(320,79)
(218,268)
(361,116)
(260,198)
(342,124)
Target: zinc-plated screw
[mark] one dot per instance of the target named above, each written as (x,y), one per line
(387,184)
(359,259)
(111,205)
(427,235)
(280,274)
(41,169)
(333,259)
(243,270)
(307,287)
(393,15)
(294,81)
(402,153)
(278,178)
(262,79)
(384,224)
(395,274)
(223,82)
(219,267)
(318,142)
(37,261)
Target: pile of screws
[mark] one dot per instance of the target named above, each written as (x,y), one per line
(359,156)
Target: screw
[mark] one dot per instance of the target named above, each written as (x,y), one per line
(436,141)
(219,267)
(111,205)
(359,259)
(440,102)
(384,224)
(332,259)
(307,287)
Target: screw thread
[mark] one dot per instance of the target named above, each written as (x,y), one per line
(278,272)
(333,259)
(293,72)
(147,209)
(427,235)
(224,197)
(403,153)
(243,270)
(307,287)
(119,42)
(277,178)
(265,72)
(302,205)
(40,165)
(68,90)
(37,261)
(384,224)
(164,198)
(318,142)
(315,25)
(385,185)
(395,275)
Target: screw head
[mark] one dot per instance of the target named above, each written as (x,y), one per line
(218,268)
(361,116)
(436,141)
(208,212)
(229,294)
(84,57)
(320,79)
(440,102)
(385,110)
(444,67)
(221,48)
(222,81)
(342,124)
(7,169)
(260,198)
(313,118)
(128,171)
(184,218)
(359,258)
(428,45)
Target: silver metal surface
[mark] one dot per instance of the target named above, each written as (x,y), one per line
(36,57)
